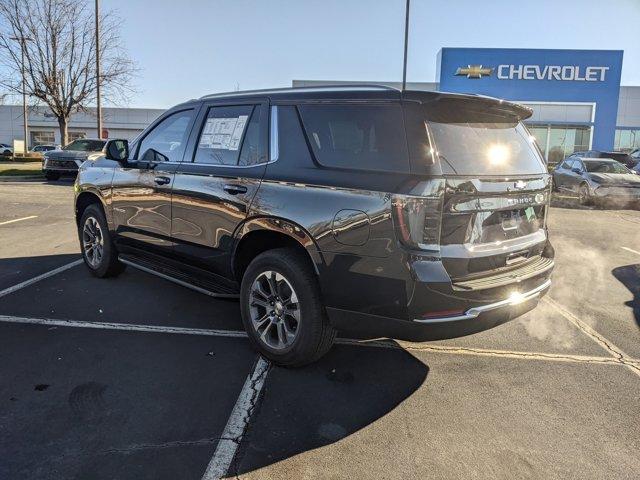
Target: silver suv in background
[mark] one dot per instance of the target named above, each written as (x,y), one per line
(67,161)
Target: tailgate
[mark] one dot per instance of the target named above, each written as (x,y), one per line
(492,226)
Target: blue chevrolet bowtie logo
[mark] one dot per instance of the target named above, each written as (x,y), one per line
(474,71)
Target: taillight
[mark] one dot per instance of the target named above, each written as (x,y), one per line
(417,221)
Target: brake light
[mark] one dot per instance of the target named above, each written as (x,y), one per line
(417,221)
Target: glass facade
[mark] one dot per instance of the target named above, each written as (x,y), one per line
(42,138)
(627,140)
(559,141)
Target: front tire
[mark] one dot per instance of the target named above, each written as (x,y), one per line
(583,194)
(282,309)
(99,254)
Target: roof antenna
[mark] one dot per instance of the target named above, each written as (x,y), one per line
(406,44)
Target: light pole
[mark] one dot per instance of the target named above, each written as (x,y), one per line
(406,44)
(23,41)
(98,105)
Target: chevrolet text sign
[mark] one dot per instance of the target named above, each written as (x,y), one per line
(552,72)
(541,76)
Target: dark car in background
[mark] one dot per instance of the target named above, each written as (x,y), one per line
(627,159)
(66,161)
(597,180)
(379,213)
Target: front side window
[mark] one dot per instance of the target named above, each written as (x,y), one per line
(168,137)
(230,136)
(363,137)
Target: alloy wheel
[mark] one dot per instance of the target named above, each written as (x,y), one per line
(92,242)
(275,310)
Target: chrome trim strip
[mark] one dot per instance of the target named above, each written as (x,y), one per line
(274,151)
(175,280)
(476,311)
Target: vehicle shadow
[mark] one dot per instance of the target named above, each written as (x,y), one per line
(19,269)
(629,276)
(305,409)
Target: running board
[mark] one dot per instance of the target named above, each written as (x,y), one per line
(148,267)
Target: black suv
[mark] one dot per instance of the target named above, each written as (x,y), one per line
(375,212)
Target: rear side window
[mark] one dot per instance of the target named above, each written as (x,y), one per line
(230,136)
(363,137)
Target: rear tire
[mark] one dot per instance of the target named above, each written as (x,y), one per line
(98,251)
(282,309)
(51,176)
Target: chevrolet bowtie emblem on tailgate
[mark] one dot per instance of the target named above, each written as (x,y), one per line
(474,71)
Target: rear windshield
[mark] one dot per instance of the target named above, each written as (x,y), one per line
(363,137)
(595,166)
(477,137)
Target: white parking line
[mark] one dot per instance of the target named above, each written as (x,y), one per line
(18,220)
(630,250)
(132,327)
(237,422)
(382,343)
(33,280)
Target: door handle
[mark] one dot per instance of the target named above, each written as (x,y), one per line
(162,180)
(235,189)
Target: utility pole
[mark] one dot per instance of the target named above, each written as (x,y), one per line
(23,41)
(406,45)
(98,105)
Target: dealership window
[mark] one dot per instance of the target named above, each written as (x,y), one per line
(71,136)
(627,139)
(42,138)
(559,141)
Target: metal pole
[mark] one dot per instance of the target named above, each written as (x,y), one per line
(406,45)
(98,105)
(24,99)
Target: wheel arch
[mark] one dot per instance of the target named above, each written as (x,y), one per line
(260,234)
(86,198)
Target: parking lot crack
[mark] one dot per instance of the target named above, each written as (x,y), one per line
(238,422)
(616,353)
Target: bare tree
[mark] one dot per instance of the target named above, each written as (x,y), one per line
(58,37)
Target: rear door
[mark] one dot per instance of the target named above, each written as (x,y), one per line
(141,194)
(216,182)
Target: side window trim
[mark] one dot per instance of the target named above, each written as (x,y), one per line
(274,149)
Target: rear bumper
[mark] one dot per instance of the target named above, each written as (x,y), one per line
(430,305)
(474,320)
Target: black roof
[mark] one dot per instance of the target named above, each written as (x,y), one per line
(365,92)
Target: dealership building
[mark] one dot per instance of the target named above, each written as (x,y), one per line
(43,126)
(576,96)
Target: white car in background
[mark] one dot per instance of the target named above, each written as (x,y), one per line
(5,149)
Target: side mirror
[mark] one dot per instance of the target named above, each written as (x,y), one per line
(117,150)
(576,170)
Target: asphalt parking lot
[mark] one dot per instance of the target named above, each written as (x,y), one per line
(136,377)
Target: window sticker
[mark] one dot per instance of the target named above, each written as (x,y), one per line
(223,133)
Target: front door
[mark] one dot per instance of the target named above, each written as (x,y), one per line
(141,195)
(214,185)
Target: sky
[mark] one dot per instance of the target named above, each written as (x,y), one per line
(188,48)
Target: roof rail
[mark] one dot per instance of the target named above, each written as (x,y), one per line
(317,88)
